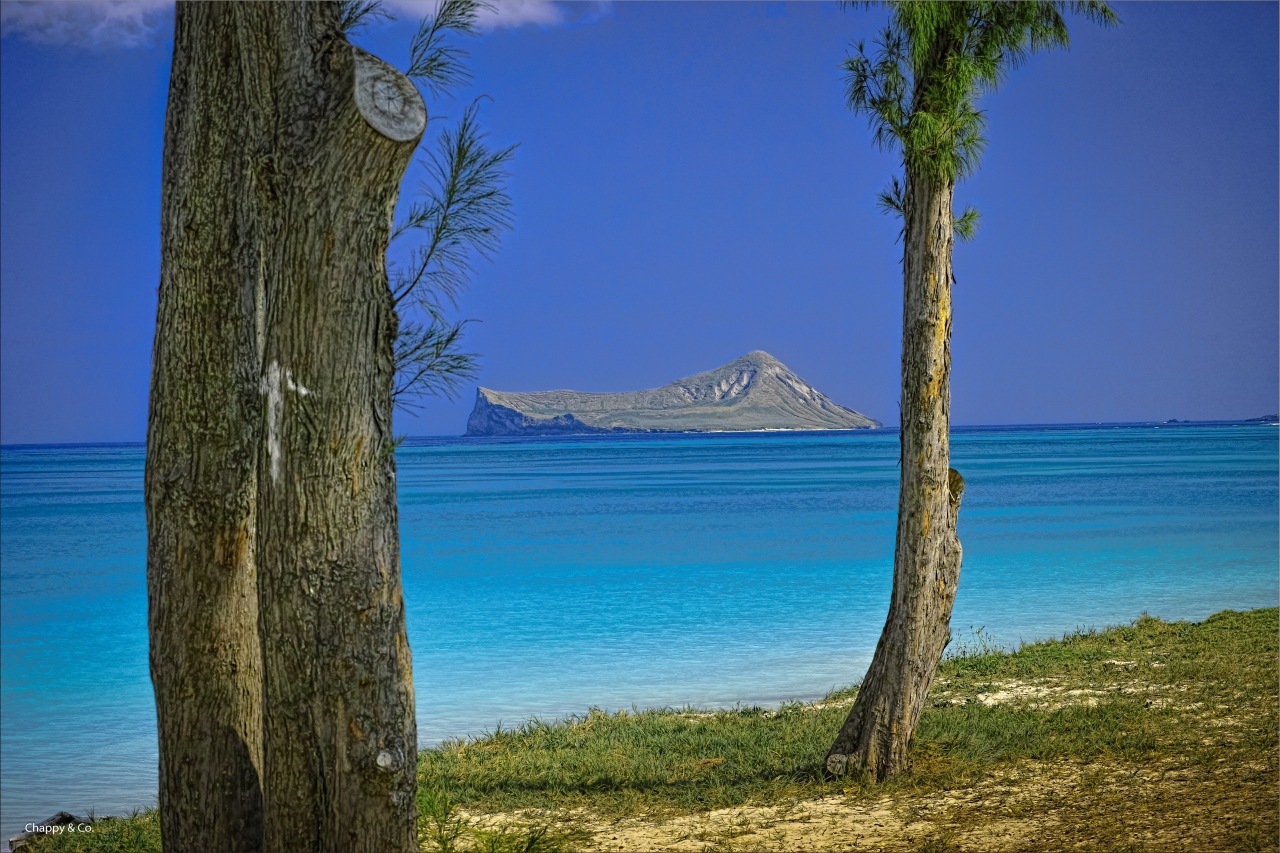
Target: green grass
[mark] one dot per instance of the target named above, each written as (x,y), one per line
(139,831)
(672,761)
(1156,721)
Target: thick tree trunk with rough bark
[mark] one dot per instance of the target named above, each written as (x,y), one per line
(926,567)
(340,744)
(202,445)
(279,650)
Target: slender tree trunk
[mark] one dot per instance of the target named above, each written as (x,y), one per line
(926,566)
(201,451)
(340,744)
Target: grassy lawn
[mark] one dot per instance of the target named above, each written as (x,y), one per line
(1121,739)
(1151,736)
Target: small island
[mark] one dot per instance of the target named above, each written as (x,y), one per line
(751,393)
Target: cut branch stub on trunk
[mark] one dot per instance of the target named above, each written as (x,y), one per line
(387,99)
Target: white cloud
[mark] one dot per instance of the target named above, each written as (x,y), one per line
(105,23)
(510,13)
(516,12)
(140,23)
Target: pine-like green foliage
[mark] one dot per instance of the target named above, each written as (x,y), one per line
(461,210)
(355,14)
(438,63)
(918,88)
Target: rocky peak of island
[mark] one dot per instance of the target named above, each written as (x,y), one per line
(754,392)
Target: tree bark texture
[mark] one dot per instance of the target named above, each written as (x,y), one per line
(340,741)
(202,437)
(279,650)
(926,566)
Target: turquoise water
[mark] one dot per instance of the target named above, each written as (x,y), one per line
(545,576)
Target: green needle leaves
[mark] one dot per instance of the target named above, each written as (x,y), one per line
(919,83)
(460,213)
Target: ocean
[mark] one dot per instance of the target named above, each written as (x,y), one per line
(544,576)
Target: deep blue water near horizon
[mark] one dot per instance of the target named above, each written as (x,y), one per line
(545,576)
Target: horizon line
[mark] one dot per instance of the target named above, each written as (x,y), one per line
(1260,420)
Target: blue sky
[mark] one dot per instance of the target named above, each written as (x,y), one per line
(689,187)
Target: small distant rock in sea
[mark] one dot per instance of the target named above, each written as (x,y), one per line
(754,392)
(1265,419)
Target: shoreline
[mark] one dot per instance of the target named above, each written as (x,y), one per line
(1124,678)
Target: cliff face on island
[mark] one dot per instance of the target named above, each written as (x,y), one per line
(755,392)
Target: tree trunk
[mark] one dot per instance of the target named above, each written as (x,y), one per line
(284,151)
(201,451)
(340,743)
(926,566)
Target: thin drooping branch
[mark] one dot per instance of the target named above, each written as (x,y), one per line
(465,209)
(430,362)
(441,66)
(463,212)
(356,14)
(879,87)
(966,225)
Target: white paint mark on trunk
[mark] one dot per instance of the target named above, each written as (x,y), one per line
(297,387)
(275,405)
